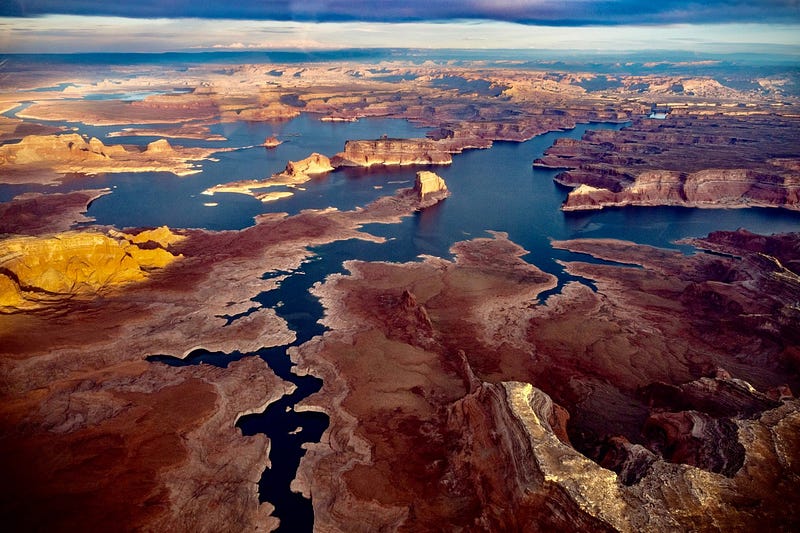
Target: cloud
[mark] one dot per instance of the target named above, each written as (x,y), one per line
(70,34)
(539,12)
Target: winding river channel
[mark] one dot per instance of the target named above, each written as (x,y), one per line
(494,189)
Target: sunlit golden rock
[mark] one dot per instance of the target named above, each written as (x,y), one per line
(43,269)
(428,183)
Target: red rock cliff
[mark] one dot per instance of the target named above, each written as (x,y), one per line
(366,153)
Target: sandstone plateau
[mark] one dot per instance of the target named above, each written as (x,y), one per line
(46,158)
(661,401)
(694,161)
(38,271)
(368,153)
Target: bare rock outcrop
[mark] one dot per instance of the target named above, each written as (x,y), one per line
(100,437)
(313,164)
(44,158)
(271,112)
(694,160)
(272,142)
(367,153)
(697,439)
(706,188)
(601,410)
(295,173)
(37,213)
(41,270)
(161,146)
(429,188)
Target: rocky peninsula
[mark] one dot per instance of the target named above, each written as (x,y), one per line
(478,395)
(83,395)
(406,153)
(714,161)
(45,159)
(296,173)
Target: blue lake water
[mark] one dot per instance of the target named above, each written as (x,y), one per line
(494,189)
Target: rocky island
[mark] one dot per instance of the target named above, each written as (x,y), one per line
(296,173)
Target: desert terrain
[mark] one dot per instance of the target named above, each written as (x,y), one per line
(634,387)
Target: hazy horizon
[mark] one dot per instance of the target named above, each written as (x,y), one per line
(717,26)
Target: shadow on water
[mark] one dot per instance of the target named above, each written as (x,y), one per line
(286,428)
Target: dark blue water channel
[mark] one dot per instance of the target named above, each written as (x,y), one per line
(494,189)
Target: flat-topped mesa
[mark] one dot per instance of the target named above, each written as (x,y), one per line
(274,111)
(692,161)
(366,153)
(706,188)
(430,186)
(69,147)
(41,158)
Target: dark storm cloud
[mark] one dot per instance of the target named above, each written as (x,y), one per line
(549,12)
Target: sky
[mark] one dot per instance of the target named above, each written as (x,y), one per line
(715,26)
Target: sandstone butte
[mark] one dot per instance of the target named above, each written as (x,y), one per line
(367,153)
(38,271)
(272,142)
(31,158)
(429,186)
(270,112)
(295,173)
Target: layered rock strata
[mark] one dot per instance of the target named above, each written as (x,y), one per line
(46,158)
(296,173)
(37,271)
(454,397)
(100,437)
(429,188)
(695,161)
(367,153)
